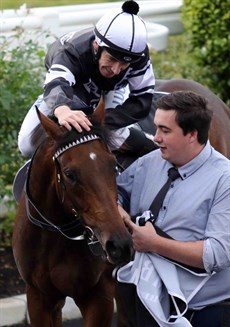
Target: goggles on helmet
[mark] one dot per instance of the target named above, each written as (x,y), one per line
(119,53)
(123,33)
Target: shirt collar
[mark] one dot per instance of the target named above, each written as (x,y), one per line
(189,168)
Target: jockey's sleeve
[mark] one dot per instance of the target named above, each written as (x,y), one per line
(131,111)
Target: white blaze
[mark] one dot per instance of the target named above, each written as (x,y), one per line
(92,156)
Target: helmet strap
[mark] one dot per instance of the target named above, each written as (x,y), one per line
(97,52)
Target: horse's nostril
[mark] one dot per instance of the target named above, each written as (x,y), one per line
(113,251)
(118,251)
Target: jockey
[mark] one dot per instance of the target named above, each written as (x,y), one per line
(111,59)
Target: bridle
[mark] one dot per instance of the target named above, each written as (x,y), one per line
(82,232)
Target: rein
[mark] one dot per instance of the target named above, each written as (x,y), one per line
(82,232)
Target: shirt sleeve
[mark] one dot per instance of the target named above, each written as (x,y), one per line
(125,184)
(216,253)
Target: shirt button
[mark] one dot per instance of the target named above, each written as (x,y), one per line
(184,175)
(164,207)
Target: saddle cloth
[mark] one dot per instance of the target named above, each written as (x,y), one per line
(157,282)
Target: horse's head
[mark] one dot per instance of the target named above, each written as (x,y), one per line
(84,180)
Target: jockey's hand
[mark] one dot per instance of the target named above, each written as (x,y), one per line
(143,237)
(72,118)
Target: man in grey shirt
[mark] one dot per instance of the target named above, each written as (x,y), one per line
(195,211)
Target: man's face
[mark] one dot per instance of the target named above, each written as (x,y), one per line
(175,147)
(109,66)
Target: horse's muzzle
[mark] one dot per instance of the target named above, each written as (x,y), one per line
(119,251)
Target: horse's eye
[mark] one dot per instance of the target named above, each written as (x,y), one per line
(70,174)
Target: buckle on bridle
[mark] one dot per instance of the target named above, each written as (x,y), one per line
(93,242)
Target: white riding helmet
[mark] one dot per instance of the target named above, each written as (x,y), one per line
(122,33)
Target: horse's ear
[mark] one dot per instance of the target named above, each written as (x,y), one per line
(51,128)
(99,113)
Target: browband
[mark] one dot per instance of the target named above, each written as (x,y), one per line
(82,140)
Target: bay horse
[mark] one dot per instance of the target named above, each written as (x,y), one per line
(68,232)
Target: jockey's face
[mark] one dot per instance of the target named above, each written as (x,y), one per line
(110,66)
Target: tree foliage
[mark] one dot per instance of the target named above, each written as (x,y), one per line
(207,24)
(21,77)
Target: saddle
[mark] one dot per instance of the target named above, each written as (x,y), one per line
(19,181)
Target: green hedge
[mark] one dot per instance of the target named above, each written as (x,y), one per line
(207,23)
(21,79)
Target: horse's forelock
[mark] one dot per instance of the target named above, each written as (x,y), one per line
(74,135)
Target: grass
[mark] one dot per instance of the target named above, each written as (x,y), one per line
(15,4)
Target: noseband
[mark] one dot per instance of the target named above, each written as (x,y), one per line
(82,232)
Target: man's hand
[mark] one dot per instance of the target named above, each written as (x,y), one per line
(144,237)
(72,118)
(123,213)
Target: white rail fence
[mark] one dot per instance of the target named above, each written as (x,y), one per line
(162,18)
